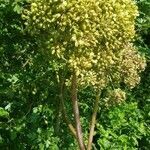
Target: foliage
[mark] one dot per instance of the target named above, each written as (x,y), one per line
(143,26)
(142,93)
(21,75)
(3,113)
(123,127)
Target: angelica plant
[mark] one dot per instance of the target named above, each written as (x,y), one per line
(93,39)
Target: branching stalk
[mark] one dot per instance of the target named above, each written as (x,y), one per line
(72,129)
(76,112)
(93,122)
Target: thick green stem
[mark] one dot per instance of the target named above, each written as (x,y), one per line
(76,112)
(93,122)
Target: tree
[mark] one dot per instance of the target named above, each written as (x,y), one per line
(91,41)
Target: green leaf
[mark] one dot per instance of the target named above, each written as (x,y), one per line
(18,9)
(3,113)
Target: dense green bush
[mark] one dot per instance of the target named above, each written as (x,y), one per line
(142,92)
(122,128)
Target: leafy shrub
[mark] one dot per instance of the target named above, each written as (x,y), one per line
(123,127)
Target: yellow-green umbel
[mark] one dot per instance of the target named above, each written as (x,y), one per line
(92,36)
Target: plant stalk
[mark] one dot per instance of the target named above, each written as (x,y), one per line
(93,122)
(76,112)
(71,127)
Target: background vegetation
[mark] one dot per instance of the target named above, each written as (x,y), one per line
(30,114)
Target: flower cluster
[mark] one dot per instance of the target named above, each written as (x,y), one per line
(116,96)
(92,37)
